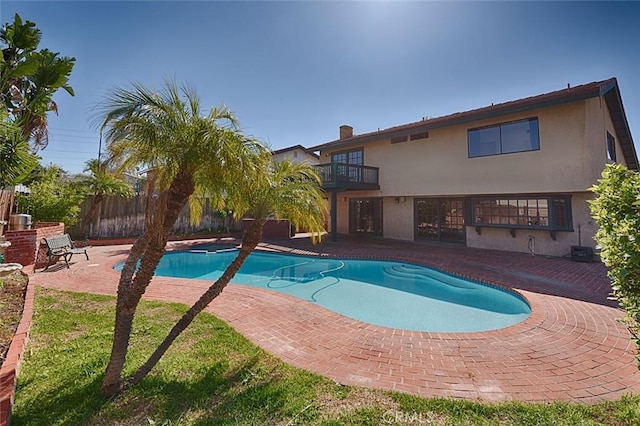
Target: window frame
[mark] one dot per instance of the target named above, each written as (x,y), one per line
(611,148)
(346,153)
(345,171)
(552,215)
(500,141)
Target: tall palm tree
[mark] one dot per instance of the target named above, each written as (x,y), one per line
(188,154)
(101,183)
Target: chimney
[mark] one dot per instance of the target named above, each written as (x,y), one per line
(346,132)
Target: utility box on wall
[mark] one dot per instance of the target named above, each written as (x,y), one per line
(582,254)
(19,222)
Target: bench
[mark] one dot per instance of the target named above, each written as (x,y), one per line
(61,246)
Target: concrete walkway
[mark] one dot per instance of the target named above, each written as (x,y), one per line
(571,348)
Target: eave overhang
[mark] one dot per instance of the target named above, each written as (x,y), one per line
(607,88)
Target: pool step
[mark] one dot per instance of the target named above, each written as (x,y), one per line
(421,273)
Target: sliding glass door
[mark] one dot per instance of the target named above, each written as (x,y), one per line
(365,216)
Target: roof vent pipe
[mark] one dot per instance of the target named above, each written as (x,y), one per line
(346,132)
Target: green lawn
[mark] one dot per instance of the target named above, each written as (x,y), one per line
(213,375)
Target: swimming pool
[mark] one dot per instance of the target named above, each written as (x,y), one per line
(389,294)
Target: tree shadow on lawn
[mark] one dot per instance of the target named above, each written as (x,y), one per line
(246,395)
(249,394)
(73,402)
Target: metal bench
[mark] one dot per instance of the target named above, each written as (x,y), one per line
(61,247)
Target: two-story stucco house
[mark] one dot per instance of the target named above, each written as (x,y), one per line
(512,176)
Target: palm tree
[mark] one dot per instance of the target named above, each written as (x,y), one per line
(272,190)
(192,155)
(30,77)
(52,73)
(16,160)
(188,154)
(28,80)
(102,182)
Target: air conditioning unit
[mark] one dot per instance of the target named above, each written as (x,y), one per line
(582,254)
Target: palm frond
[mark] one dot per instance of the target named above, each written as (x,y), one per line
(281,190)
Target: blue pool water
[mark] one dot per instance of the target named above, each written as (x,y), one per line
(389,294)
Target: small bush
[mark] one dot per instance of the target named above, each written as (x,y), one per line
(52,198)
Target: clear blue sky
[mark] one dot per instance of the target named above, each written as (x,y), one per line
(293,72)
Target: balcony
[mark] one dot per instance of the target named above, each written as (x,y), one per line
(342,176)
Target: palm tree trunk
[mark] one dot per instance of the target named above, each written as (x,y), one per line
(148,249)
(250,240)
(111,383)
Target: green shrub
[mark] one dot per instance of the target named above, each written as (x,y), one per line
(52,198)
(617,212)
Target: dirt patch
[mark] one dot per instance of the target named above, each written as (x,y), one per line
(13,288)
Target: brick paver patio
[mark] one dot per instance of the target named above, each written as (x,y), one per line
(571,348)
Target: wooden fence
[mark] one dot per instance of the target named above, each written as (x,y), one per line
(117,217)
(6,204)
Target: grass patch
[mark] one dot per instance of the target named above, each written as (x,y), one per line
(213,375)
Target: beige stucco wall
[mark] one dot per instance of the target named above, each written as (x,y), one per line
(343,212)
(398,218)
(571,157)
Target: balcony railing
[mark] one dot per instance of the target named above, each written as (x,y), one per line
(348,176)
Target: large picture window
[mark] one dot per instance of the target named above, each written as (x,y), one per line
(505,138)
(552,212)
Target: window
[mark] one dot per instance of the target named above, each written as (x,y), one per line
(348,165)
(348,157)
(611,147)
(517,136)
(552,212)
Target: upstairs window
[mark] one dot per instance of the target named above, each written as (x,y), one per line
(349,163)
(611,147)
(348,157)
(505,138)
